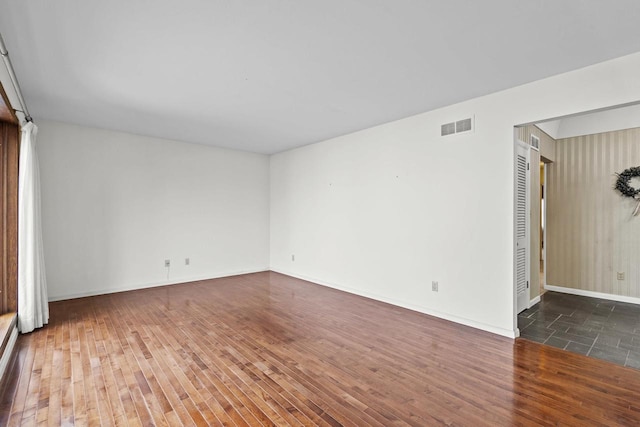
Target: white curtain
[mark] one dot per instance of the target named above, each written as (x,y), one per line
(33,306)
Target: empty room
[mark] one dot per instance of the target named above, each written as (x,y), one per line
(323,213)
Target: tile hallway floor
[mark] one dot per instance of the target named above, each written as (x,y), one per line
(604,329)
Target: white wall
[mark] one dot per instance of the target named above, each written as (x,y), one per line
(385,211)
(116,205)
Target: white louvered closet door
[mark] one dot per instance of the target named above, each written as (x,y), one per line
(522,220)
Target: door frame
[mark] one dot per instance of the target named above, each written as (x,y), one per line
(543,220)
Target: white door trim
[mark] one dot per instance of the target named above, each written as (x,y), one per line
(521,240)
(544,230)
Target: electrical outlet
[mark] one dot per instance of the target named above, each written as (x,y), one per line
(620,275)
(186,261)
(293,257)
(434,286)
(167,263)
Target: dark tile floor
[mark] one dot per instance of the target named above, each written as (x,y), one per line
(608,330)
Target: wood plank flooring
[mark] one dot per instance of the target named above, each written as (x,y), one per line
(265,349)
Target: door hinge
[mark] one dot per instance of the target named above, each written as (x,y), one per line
(527,284)
(527,166)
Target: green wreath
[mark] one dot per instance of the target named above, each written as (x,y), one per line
(624,178)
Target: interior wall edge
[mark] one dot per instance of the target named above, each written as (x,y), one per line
(534,301)
(181,281)
(592,294)
(413,307)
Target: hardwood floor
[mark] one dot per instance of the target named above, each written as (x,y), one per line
(267,349)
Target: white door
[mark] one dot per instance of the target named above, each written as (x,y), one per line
(522,221)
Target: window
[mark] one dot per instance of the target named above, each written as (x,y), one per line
(9,160)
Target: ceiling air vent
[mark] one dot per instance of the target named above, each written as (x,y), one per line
(463,125)
(458,126)
(448,129)
(535,142)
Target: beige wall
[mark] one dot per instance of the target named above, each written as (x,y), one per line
(547,144)
(591,234)
(547,150)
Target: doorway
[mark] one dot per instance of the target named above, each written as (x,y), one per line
(588,237)
(539,147)
(543,226)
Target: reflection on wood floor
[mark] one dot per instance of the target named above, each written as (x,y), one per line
(267,349)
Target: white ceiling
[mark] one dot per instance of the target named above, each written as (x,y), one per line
(266,76)
(613,119)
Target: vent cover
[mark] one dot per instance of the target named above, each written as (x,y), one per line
(448,129)
(535,142)
(463,125)
(459,126)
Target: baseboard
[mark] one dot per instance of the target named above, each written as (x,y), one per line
(452,318)
(8,352)
(534,301)
(152,285)
(592,294)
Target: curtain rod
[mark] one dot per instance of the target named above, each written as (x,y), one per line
(14,80)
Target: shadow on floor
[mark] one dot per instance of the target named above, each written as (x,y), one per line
(604,329)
